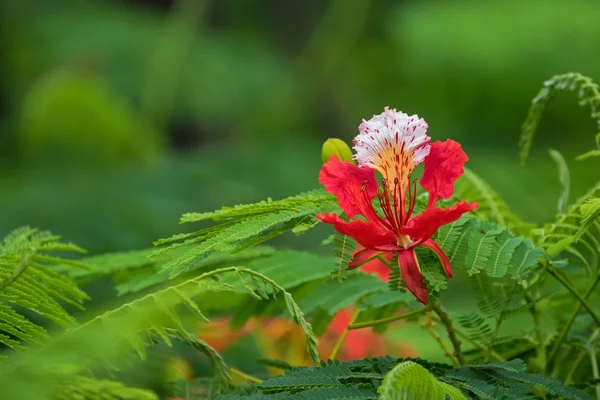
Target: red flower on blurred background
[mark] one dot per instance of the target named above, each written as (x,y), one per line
(393,144)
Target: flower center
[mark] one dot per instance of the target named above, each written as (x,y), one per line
(397,206)
(392,143)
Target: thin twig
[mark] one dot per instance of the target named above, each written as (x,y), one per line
(244,375)
(428,325)
(499,321)
(594,362)
(579,358)
(567,327)
(340,341)
(447,322)
(571,289)
(384,321)
(537,322)
(474,342)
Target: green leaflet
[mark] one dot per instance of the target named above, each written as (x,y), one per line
(504,249)
(587,91)
(410,381)
(559,236)
(591,153)
(28,280)
(476,246)
(563,178)
(137,278)
(490,206)
(245,226)
(590,210)
(343,246)
(480,250)
(88,388)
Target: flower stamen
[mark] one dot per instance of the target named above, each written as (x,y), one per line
(412,200)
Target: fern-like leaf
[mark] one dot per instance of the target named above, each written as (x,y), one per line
(245,226)
(490,206)
(28,279)
(84,388)
(563,178)
(590,211)
(343,246)
(588,93)
(410,381)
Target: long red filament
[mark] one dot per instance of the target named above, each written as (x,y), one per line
(368,201)
(412,200)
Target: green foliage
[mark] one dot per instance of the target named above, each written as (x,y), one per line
(591,153)
(563,178)
(475,247)
(490,206)
(587,91)
(343,246)
(409,378)
(559,236)
(513,382)
(29,282)
(590,210)
(81,387)
(410,381)
(145,276)
(244,226)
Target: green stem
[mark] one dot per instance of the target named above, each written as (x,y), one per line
(429,326)
(384,321)
(244,375)
(340,341)
(568,286)
(499,320)
(579,358)
(17,271)
(378,256)
(447,322)
(383,260)
(567,327)
(474,342)
(594,362)
(537,322)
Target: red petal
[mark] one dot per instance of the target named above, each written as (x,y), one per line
(444,260)
(345,180)
(412,276)
(368,234)
(424,225)
(443,166)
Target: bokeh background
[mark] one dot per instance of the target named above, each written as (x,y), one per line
(118,116)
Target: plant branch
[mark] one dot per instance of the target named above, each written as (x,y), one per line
(384,321)
(594,362)
(499,320)
(474,342)
(447,322)
(571,289)
(18,271)
(567,327)
(245,376)
(428,325)
(579,358)
(340,341)
(537,322)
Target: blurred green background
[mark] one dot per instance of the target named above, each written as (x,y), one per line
(118,116)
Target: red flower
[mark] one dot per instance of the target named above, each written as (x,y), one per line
(393,144)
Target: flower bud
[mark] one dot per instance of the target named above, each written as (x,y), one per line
(336,147)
